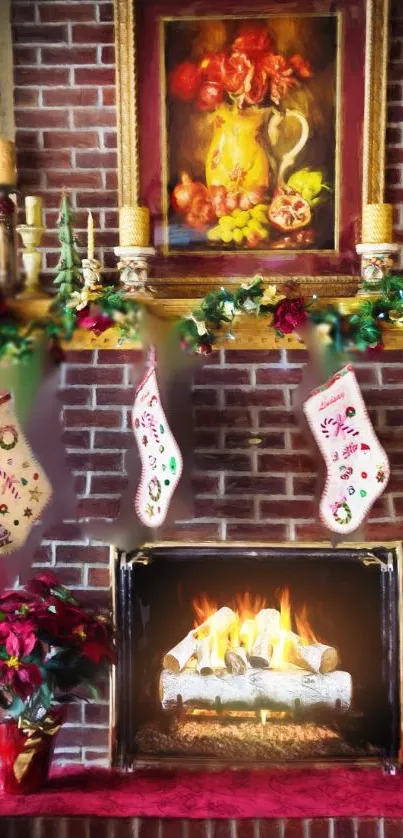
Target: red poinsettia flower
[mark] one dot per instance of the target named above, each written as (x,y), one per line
(301,66)
(43,584)
(95,322)
(95,640)
(289,314)
(252,39)
(184,81)
(58,622)
(17,673)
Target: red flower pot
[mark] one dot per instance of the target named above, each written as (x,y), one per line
(26,754)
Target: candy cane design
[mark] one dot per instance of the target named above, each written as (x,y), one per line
(334,426)
(148,421)
(9,484)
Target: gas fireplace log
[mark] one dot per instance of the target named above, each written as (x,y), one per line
(267,627)
(257,688)
(315,657)
(223,622)
(203,665)
(236,660)
(247,634)
(178,657)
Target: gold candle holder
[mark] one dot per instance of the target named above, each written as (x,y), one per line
(31,258)
(8,169)
(377,224)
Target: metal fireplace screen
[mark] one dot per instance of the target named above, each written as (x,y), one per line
(239,654)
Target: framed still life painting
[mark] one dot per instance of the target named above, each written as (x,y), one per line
(253,132)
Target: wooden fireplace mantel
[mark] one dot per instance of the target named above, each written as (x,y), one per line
(250,332)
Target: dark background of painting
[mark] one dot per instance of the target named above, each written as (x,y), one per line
(189,131)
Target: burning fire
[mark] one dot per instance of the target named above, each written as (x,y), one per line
(244,629)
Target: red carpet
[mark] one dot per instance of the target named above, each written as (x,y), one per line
(234,794)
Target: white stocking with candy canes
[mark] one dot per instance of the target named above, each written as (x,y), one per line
(357,465)
(161,458)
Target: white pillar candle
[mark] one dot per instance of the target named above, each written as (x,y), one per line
(90,236)
(33,211)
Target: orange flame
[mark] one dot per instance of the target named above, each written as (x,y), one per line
(304,628)
(248,606)
(203,609)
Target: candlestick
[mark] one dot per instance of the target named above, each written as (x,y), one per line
(377,224)
(8,171)
(33,211)
(90,237)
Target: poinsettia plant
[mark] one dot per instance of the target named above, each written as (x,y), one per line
(52,651)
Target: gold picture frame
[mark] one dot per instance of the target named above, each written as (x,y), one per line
(374,131)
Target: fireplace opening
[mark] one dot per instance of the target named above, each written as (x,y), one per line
(236,654)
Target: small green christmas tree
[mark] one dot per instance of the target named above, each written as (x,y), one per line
(68,278)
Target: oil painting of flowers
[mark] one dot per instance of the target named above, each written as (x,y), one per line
(251,133)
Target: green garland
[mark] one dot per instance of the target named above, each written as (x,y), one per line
(201,329)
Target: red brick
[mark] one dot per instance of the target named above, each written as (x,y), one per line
(120,356)
(99,34)
(110,140)
(99,577)
(293,828)
(98,76)
(76,439)
(344,828)
(90,118)
(25,97)
(319,828)
(108,55)
(51,118)
(393,135)
(246,829)
(222,461)
(220,829)
(257,532)
(81,97)
(67,56)
(252,356)
(30,76)
(203,484)
(83,736)
(43,555)
(103,199)
(23,56)
(149,828)
(71,139)
(217,376)
(39,34)
(109,96)
(304,485)
(393,828)
(196,531)
(395,51)
(285,462)
(74,180)
(110,484)
(23,13)
(287,508)
(117,440)
(29,180)
(97,508)
(245,439)
(79,554)
(312,531)
(64,532)
(94,375)
(394,156)
(70,576)
(45,159)
(393,176)
(205,397)
(392,375)
(223,508)
(27,140)
(368,828)
(278,375)
(96,714)
(76,397)
(213,418)
(255,484)
(254,398)
(95,461)
(92,418)
(205,439)
(114,396)
(60,13)
(268,418)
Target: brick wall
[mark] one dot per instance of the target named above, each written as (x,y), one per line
(66,135)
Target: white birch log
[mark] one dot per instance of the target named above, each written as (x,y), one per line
(267,629)
(315,657)
(204,664)
(177,658)
(236,660)
(222,622)
(257,688)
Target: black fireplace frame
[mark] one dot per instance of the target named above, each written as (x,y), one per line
(123,564)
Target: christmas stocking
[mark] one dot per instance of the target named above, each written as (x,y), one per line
(161,459)
(24,488)
(357,465)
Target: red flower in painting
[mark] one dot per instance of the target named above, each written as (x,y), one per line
(237,74)
(280,74)
(210,96)
(301,66)
(212,67)
(17,672)
(258,87)
(289,314)
(252,39)
(184,81)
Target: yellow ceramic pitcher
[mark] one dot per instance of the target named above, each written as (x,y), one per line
(236,157)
